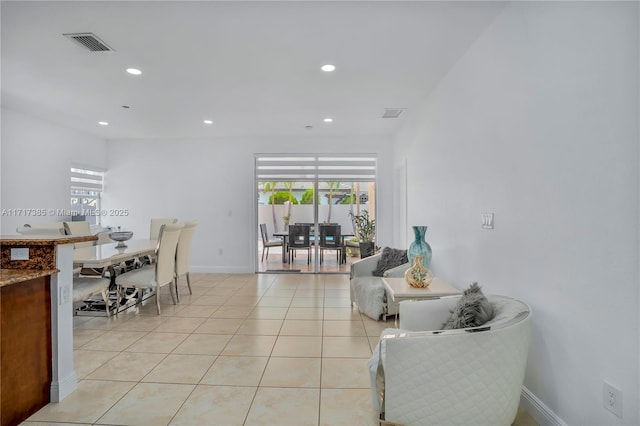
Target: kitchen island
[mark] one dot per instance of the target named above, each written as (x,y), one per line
(36,323)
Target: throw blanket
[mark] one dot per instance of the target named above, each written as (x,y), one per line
(369,296)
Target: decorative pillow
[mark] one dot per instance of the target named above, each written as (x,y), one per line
(472,310)
(390,258)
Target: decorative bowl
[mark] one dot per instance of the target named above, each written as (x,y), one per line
(121,237)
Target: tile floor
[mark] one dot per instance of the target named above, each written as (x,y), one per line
(242,350)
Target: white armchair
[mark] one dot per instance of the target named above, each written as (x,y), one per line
(368,292)
(454,377)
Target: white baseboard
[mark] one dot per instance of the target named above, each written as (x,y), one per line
(538,410)
(60,390)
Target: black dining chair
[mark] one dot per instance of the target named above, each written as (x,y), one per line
(299,240)
(266,242)
(330,239)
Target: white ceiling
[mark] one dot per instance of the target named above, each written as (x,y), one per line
(251,67)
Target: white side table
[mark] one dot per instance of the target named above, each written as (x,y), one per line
(400,290)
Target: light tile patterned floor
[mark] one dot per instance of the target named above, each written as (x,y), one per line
(242,350)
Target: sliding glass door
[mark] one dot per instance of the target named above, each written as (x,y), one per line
(317,195)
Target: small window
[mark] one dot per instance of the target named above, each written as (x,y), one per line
(87,185)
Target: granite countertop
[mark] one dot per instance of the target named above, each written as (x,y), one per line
(39,240)
(14,276)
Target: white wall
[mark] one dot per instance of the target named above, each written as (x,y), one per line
(36,157)
(212,181)
(538,123)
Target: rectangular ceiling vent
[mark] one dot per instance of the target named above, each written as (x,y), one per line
(392,112)
(90,41)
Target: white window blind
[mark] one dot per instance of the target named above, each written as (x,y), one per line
(87,180)
(342,168)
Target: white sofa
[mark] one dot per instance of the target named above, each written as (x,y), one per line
(368,292)
(454,377)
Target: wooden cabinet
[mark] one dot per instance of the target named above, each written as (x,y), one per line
(25,349)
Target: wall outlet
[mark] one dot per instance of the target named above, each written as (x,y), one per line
(612,399)
(487,220)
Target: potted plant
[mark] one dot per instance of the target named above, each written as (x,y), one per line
(366,232)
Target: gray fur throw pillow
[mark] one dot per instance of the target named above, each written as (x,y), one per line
(390,258)
(472,310)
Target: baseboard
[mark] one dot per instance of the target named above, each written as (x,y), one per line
(538,410)
(60,390)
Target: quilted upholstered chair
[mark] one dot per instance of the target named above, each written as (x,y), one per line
(423,375)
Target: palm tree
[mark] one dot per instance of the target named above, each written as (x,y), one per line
(271,186)
(289,186)
(332,186)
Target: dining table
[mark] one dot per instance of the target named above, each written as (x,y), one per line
(109,256)
(105,255)
(285,234)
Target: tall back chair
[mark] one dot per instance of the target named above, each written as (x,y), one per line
(299,240)
(154,233)
(183,254)
(78,229)
(27,230)
(330,239)
(163,272)
(156,224)
(266,243)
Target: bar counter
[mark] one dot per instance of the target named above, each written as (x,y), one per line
(36,323)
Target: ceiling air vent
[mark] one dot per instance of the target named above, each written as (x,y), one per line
(90,41)
(392,112)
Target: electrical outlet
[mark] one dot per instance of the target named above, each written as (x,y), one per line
(612,399)
(487,220)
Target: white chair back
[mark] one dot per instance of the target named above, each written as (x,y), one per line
(166,258)
(157,223)
(78,229)
(45,225)
(184,248)
(26,230)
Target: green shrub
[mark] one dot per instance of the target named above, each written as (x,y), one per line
(307,197)
(281,197)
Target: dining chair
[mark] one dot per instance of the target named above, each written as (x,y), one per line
(299,240)
(27,230)
(154,277)
(154,233)
(266,242)
(78,229)
(183,254)
(84,288)
(156,224)
(330,239)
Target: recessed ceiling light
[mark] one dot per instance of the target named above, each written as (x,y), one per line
(134,71)
(103,123)
(328,120)
(328,68)
(208,122)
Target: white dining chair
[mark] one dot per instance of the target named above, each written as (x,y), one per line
(154,277)
(84,288)
(27,230)
(79,229)
(183,255)
(156,224)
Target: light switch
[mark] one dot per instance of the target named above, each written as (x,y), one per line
(20,253)
(487,220)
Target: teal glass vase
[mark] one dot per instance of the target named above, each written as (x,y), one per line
(419,246)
